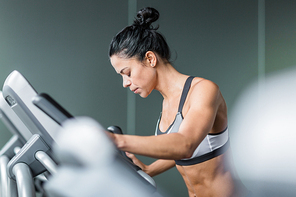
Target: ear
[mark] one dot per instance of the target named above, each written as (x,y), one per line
(151,58)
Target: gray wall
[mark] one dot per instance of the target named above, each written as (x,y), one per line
(61,48)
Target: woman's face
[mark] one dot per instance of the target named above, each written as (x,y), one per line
(140,77)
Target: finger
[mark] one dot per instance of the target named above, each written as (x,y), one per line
(130,155)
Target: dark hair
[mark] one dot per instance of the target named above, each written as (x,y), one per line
(135,40)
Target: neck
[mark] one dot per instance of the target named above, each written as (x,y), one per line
(170,82)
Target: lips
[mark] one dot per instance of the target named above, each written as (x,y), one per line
(135,90)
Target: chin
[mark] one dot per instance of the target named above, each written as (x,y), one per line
(144,96)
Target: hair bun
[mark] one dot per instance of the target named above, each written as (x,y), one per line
(145,17)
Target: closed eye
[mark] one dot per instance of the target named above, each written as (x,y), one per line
(125,71)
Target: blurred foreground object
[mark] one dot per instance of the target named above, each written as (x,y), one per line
(264,135)
(89,165)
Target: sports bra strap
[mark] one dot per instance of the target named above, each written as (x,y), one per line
(185,92)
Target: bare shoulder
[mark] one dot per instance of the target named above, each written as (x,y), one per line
(204,85)
(203,90)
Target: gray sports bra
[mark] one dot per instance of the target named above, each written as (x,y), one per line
(212,145)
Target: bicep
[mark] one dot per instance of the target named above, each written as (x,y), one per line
(201,114)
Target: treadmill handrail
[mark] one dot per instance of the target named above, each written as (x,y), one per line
(52,108)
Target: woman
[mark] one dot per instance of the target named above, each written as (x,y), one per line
(191,133)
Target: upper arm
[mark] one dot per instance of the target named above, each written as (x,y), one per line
(203,104)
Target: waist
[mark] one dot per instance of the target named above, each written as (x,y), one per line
(206,177)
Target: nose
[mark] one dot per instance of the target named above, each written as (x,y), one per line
(126,82)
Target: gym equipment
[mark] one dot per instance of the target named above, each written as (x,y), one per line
(44,117)
(105,174)
(117,130)
(8,151)
(54,110)
(50,107)
(35,156)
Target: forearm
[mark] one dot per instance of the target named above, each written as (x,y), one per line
(171,146)
(159,166)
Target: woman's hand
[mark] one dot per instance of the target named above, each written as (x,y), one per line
(157,167)
(137,162)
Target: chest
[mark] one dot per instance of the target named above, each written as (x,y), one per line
(168,115)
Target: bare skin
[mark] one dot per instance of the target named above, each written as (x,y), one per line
(204,112)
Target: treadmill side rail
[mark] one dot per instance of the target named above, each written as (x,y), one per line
(27,155)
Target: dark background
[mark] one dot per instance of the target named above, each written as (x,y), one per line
(61,47)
